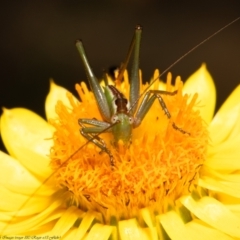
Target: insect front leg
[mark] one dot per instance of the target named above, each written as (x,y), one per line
(92,134)
(148,101)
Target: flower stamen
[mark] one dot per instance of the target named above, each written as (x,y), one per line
(160,165)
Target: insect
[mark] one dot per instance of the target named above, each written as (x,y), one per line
(120,117)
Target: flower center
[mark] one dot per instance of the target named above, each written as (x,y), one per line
(160,164)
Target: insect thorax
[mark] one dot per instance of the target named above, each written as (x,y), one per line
(117,102)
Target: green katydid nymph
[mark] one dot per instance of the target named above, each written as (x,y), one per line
(120,116)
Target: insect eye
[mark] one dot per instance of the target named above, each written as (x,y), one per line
(131,120)
(114,119)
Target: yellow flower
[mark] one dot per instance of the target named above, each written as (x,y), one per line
(165,184)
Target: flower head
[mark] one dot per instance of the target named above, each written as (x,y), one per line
(169,181)
(159,164)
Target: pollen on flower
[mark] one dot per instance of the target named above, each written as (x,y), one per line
(159,165)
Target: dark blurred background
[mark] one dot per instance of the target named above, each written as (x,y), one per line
(37,42)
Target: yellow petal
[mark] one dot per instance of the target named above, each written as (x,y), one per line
(15,177)
(66,221)
(195,229)
(68,236)
(85,225)
(230,103)
(233,189)
(202,83)
(30,222)
(55,94)
(16,204)
(18,189)
(174,226)
(228,183)
(129,229)
(27,137)
(152,230)
(224,157)
(147,217)
(214,213)
(226,123)
(99,232)
(205,232)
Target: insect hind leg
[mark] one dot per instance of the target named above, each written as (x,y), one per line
(92,134)
(148,101)
(164,107)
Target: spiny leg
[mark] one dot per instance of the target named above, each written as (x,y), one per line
(157,93)
(147,102)
(91,134)
(100,143)
(164,107)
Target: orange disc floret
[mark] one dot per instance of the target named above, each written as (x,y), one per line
(159,165)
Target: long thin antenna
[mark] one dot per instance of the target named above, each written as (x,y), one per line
(182,57)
